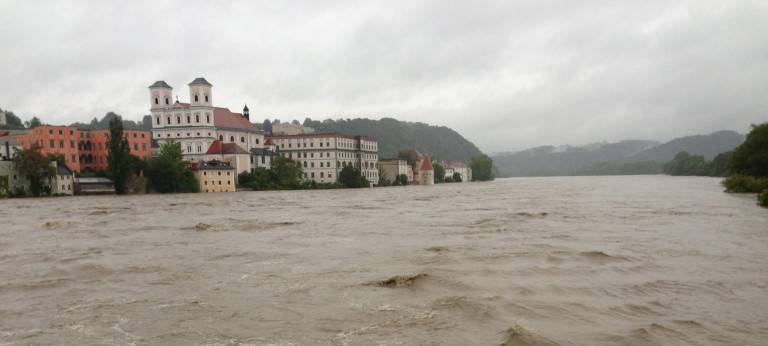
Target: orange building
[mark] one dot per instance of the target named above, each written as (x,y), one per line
(82,148)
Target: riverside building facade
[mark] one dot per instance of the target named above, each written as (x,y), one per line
(323,156)
(197,124)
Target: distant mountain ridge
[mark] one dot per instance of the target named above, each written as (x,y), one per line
(625,157)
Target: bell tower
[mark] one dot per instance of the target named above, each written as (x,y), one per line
(246,113)
(160,95)
(200,93)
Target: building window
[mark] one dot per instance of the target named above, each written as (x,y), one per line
(157,101)
(134,135)
(219,173)
(158,120)
(242,139)
(207,118)
(178,119)
(167,101)
(136,146)
(312,165)
(197,118)
(206,97)
(196,98)
(189,148)
(74,158)
(229,173)
(322,174)
(168,120)
(205,182)
(189,119)
(61,132)
(61,144)
(53,145)
(143,146)
(50,131)
(232,139)
(199,148)
(313,175)
(221,138)
(321,165)
(257,141)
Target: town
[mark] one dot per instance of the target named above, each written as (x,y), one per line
(223,150)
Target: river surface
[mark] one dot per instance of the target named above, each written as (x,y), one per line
(634,260)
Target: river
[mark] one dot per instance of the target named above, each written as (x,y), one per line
(630,260)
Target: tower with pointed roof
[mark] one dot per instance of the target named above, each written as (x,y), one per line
(246,113)
(200,93)
(160,95)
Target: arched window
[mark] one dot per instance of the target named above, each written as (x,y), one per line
(232,139)
(197,118)
(206,97)
(242,139)
(196,98)
(221,138)
(158,120)
(207,118)
(168,120)
(178,119)
(167,101)
(257,141)
(157,100)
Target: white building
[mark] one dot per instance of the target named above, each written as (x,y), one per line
(198,124)
(322,156)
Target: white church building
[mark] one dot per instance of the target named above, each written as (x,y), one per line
(198,124)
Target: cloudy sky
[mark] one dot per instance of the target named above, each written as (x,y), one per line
(507,75)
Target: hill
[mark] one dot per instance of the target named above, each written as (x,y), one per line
(626,157)
(103,124)
(394,135)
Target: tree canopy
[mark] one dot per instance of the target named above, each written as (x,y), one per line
(482,168)
(168,171)
(119,161)
(751,157)
(34,166)
(439,172)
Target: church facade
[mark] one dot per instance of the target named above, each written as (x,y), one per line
(197,124)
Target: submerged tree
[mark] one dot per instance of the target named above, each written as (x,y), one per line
(751,157)
(482,168)
(35,166)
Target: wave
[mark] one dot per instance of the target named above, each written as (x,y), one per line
(56,224)
(398,281)
(516,335)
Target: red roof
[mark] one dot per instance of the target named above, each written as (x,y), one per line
(269,142)
(224,118)
(426,165)
(217,147)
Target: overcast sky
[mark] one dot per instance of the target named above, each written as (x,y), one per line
(507,75)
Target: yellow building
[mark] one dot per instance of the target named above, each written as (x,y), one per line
(214,176)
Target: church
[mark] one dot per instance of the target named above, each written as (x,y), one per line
(202,129)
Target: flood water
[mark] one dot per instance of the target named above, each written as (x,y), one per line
(639,260)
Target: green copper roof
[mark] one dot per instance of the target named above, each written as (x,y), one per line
(200,80)
(160,84)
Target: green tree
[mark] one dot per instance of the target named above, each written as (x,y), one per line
(350,177)
(119,160)
(439,172)
(403,179)
(12,121)
(456,177)
(686,164)
(751,157)
(287,174)
(35,166)
(383,180)
(168,171)
(34,122)
(482,168)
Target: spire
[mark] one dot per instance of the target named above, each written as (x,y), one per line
(246,113)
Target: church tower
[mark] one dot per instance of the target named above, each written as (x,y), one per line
(200,93)
(160,95)
(245,112)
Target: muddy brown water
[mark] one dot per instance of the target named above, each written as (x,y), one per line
(643,260)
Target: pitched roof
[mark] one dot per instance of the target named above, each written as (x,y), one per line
(224,118)
(426,165)
(217,147)
(63,170)
(213,164)
(200,80)
(160,84)
(269,142)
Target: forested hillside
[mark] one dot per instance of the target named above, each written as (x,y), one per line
(394,135)
(626,157)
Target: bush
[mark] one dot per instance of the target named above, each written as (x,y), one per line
(762,198)
(744,183)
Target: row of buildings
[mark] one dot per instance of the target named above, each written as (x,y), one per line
(222,143)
